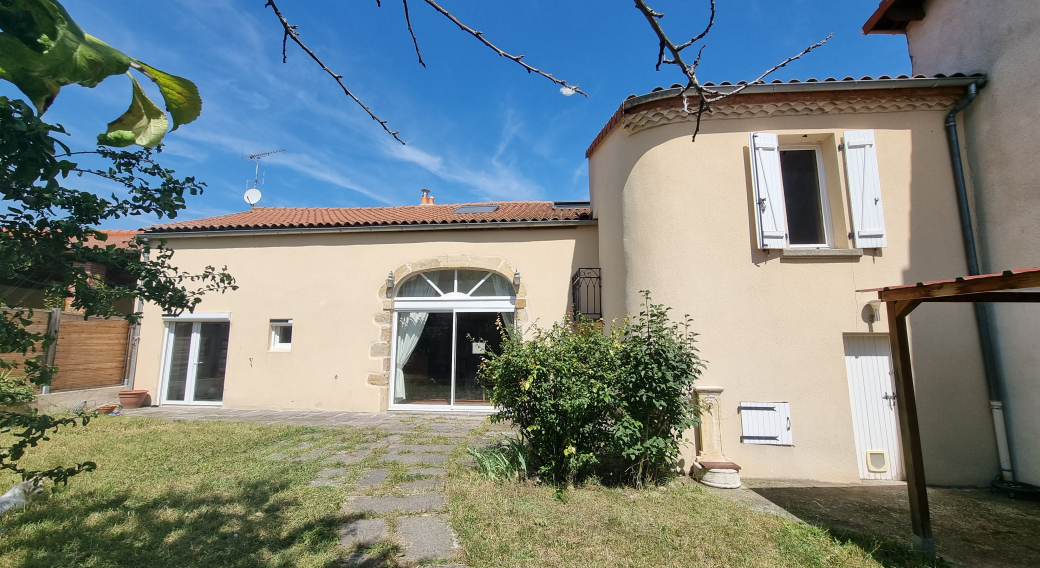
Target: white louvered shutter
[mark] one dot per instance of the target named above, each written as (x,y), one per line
(861,166)
(769,191)
(767,423)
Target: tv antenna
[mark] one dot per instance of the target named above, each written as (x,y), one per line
(253,195)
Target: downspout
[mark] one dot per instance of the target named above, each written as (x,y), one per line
(990,358)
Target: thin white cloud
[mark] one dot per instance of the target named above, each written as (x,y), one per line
(496,181)
(320,170)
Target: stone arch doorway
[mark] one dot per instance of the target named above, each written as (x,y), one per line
(430,329)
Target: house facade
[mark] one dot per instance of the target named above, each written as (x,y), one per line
(793,197)
(1002,41)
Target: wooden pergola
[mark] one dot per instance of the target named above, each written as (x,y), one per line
(900,301)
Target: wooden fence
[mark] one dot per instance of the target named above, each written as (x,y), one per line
(92,352)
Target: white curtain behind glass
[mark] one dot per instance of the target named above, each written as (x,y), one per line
(409,327)
(501,286)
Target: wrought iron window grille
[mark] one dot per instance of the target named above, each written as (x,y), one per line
(586,294)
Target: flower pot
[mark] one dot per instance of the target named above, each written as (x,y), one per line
(132,398)
(106,408)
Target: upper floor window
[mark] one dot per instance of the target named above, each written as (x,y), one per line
(791,197)
(805,196)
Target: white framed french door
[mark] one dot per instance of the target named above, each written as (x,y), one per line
(194,361)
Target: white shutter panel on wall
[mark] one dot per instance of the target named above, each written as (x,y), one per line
(861,167)
(766,423)
(769,191)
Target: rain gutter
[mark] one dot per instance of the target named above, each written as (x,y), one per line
(369,229)
(817,86)
(990,355)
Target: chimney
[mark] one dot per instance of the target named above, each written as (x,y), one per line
(426,199)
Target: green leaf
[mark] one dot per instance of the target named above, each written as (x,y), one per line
(42,49)
(143,123)
(181,95)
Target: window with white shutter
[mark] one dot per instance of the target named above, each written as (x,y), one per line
(861,167)
(768,185)
(766,423)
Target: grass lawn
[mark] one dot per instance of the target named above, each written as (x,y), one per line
(523,524)
(177,494)
(201,494)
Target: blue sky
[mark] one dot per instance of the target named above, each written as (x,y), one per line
(477,127)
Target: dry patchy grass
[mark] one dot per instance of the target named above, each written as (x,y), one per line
(527,525)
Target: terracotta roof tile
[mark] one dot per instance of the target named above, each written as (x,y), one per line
(331,217)
(119,238)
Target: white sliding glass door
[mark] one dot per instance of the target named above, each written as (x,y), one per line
(445,323)
(195,361)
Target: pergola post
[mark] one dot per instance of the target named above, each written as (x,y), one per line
(900,301)
(906,403)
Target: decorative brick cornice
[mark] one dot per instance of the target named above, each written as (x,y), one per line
(670,111)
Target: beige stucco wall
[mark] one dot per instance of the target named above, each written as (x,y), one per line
(676,218)
(1002,40)
(329,284)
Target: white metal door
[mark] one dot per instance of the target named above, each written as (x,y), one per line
(872,392)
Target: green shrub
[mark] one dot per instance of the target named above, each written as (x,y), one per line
(14,390)
(590,401)
(659,365)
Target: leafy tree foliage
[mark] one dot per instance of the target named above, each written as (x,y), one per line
(590,401)
(30,429)
(47,235)
(42,49)
(13,390)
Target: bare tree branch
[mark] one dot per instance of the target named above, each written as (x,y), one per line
(516,58)
(291,33)
(704,95)
(415,42)
(700,36)
(761,77)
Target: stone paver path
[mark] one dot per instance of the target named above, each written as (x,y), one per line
(426,537)
(399,474)
(420,503)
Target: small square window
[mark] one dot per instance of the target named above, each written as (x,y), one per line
(281,335)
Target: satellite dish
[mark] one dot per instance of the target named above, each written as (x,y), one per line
(252,196)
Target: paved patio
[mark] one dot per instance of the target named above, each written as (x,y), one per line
(973,527)
(444,422)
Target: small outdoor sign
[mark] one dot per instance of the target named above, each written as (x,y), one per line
(479,347)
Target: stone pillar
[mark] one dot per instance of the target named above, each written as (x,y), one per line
(712,468)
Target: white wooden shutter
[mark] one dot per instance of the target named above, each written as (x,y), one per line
(766,423)
(769,190)
(861,167)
